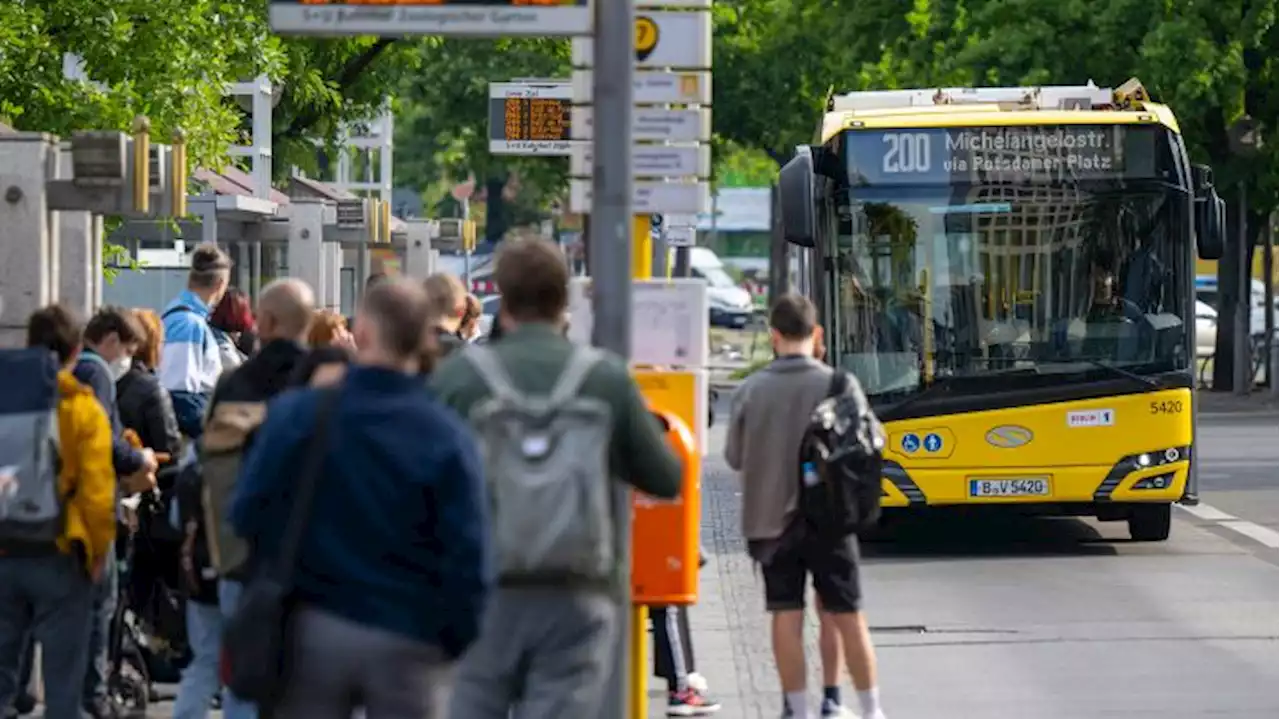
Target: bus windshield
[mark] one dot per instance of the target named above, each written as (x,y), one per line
(975,284)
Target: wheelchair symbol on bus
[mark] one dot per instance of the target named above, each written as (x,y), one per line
(910,442)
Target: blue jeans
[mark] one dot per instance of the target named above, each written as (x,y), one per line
(105,593)
(51,599)
(233,707)
(200,680)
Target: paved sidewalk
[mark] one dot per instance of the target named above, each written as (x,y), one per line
(730,627)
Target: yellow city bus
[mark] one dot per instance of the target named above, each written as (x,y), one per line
(1009,272)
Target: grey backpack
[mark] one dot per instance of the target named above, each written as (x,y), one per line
(31,505)
(546,464)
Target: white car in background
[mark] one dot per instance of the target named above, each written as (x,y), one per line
(488,313)
(1206,329)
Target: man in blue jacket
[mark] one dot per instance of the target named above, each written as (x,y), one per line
(392,575)
(110,339)
(189,361)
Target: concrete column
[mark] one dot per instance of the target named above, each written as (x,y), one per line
(28,242)
(417,252)
(332,258)
(306,252)
(78,265)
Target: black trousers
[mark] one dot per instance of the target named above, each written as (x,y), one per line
(672,644)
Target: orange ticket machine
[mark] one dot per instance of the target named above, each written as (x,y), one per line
(664,533)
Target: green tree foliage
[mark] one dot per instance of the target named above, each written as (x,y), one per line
(161,58)
(171,60)
(1210,60)
(443,123)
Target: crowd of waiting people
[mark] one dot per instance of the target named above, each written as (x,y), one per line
(152,430)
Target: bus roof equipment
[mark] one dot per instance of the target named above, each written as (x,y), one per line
(1048,97)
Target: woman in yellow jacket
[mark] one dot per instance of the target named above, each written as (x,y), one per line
(49,589)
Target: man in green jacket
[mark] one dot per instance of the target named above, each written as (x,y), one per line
(545,645)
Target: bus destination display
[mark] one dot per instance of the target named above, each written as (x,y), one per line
(1000,154)
(529,126)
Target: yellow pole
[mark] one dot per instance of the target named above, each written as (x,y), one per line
(639,662)
(641,248)
(178,174)
(141,165)
(641,269)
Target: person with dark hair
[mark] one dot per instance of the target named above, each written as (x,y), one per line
(392,573)
(548,632)
(48,568)
(767,426)
(110,339)
(234,329)
(189,361)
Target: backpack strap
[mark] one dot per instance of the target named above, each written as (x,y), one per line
(175,310)
(492,372)
(581,361)
(839,383)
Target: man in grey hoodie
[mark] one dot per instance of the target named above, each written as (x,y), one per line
(767,424)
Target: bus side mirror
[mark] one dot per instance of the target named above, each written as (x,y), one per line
(1210,215)
(795,195)
(1211,221)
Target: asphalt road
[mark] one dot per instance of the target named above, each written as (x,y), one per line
(1048,618)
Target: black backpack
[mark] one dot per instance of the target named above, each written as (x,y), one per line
(843,442)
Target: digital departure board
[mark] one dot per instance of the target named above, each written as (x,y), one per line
(431,17)
(1051,153)
(526,120)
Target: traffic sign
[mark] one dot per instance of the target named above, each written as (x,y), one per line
(680,236)
(393,18)
(650,160)
(663,39)
(649,197)
(681,220)
(649,123)
(529,119)
(654,88)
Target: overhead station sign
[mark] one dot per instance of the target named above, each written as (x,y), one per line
(530,119)
(979,155)
(390,18)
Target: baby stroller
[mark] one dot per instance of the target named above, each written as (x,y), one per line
(148,636)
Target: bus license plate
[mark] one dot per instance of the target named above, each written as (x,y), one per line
(1020,487)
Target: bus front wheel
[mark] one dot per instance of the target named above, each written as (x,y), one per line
(1150,522)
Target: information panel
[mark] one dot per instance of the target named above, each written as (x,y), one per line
(477,18)
(529,119)
(1051,153)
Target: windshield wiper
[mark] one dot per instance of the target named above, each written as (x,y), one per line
(1118,371)
(940,385)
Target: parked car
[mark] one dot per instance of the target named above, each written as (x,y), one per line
(1206,329)
(730,304)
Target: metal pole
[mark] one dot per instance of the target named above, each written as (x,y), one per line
(1269,308)
(466,249)
(1242,360)
(682,262)
(610,267)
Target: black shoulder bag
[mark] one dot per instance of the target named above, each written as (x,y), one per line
(255,639)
